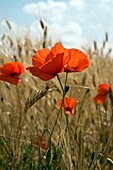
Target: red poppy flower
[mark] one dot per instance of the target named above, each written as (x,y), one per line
(99,98)
(69,104)
(78,61)
(11,71)
(103,90)
(48,63)
(43,144)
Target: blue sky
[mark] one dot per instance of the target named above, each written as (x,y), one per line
(13,10)
(74,22)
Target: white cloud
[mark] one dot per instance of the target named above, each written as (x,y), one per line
(69,34)
(50,10)
(78,4)
(56,15)
(55,32)
(72,27)
(72,34)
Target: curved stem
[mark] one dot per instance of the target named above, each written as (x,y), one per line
(60,111)
(55,123)
(40,159)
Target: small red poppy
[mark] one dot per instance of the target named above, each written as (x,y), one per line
(11,71)
(103,90)
(69,104)
(40,140)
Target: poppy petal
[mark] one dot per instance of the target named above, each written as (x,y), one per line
(11,71)
(9,79)
(39,73)
(49,57)
(40,56)
(54,66)
(103,89)
(15,67)
(57,49)
(20,69)
(59,103)
(77,62)
(84,64)
(99,99)
(72,102)
(7,69)
(69,104)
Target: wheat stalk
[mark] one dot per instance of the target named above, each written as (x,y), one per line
(37,96)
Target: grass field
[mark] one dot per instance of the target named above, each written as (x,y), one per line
(35,133)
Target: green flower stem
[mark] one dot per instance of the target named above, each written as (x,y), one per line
(66,116)
(19,106)
(20,118)
(19,100)
(64,92)
(60,111)
(60,83)
(67,121)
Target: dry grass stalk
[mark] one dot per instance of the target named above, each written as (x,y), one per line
(106,37)
(42,24)
(37,96)
(8,24)
(95,45)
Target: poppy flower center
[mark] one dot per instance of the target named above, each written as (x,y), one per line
(14,75)
(68,109)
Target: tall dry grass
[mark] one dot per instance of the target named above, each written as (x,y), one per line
(29,111)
